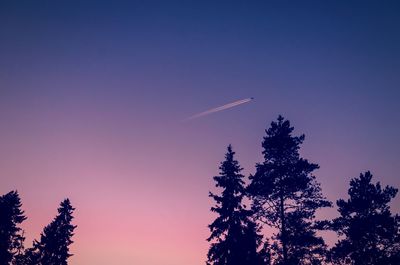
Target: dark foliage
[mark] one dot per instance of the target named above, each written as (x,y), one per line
(286,196)
(371,233)
(234,236)
(11,236)
(53,247)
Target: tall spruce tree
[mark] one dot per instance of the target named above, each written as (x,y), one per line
(53,247)
(11,235)
(371,233)
(286,196)
(234,237)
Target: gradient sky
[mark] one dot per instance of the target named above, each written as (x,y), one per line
(92,95)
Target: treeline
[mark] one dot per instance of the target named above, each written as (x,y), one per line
(53,246)
(283,196)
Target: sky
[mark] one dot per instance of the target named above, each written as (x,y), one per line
(93,95)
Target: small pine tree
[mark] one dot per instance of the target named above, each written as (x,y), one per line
(53,247)
(286,196)
(371,233)
(234,236)
(11,235)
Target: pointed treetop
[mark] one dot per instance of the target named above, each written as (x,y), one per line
(230,153)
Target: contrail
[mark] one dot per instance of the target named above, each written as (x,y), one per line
(224,107)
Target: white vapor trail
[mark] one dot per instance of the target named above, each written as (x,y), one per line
(224,107)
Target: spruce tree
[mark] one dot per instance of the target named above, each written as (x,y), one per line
(234,237)
(286,196)
(11,235)
(371,232)
(53,247)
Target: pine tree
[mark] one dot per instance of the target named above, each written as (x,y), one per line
(234,236)
(11,235)
(371,233)
(53,247)
(286,196)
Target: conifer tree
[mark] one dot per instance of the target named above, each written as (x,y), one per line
(11,235)
(234,237)
(286,196)
(371,232)
(53,247)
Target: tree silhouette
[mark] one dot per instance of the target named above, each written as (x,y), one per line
(11,236)
(286,195)
(371,233)
(30,257)
(234,236)
(53,247)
